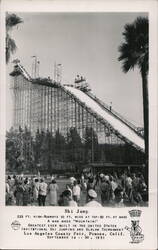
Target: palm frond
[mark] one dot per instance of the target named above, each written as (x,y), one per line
(134,51)
(12,20)
(128,56)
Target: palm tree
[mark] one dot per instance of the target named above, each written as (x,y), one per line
(135,52)
(11,21)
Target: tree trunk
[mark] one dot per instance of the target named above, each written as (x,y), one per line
(146,119)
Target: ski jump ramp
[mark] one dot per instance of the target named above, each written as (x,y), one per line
(108,116)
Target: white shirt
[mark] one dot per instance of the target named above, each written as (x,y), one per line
(128,181)
(43,188)
(76,190)
(7,188)
(114,185)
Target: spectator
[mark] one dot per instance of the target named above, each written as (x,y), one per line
(106,191)
(135,181)
(90,185)
(119,202)
(92,195)
(128,185)
(72,179)
(114,185)
(76,191)
(26,193)
(9,181)
(35,190)
(19,193)
(136,199)
(66,199)
(143,190)
(15,180)
(7,194)
(53,188)
(83,183)
(42,193)
(69,188)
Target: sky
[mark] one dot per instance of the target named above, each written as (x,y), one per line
(85,44)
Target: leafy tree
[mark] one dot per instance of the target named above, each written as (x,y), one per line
(12,20)
(74,145)
(134,51)
(43,151)
(14,152)
(60,146)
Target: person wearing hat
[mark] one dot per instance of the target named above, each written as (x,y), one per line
(71,183)
(92,195)
(72,179)
(101,176)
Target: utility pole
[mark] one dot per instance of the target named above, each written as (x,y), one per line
(38,68)
(35,67)
(57,72)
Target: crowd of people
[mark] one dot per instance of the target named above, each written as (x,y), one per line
(118,190)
